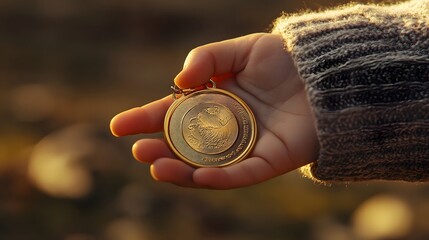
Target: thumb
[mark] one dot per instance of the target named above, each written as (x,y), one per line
(214,60)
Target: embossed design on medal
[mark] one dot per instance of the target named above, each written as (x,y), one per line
(210,128)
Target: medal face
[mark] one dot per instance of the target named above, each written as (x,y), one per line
(210,128)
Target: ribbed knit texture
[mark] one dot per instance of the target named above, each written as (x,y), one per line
(366,70)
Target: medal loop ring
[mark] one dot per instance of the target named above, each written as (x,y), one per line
(178,91)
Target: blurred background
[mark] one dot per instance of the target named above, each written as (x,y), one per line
(67,67)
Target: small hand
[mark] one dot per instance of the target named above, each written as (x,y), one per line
(265,77)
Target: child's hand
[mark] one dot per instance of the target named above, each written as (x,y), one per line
(264,76)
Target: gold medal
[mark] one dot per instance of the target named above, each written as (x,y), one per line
(209,127)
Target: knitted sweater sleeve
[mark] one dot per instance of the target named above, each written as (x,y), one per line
(366,71)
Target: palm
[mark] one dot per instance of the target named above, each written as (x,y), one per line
(271,85)
(267,80)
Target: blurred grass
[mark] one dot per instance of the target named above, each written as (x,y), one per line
(67,64)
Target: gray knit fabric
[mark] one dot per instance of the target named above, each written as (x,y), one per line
(366,70)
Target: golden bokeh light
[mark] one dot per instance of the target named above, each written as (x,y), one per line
(56,164)
(383,217)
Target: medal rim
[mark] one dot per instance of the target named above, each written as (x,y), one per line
(177,102)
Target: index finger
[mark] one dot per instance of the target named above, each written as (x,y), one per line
(146,119)
(216,60)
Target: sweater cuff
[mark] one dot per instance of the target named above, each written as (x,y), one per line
(366,71)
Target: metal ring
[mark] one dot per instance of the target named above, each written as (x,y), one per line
(212,82)
(176,90)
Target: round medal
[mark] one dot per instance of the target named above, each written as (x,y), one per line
(210,128)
